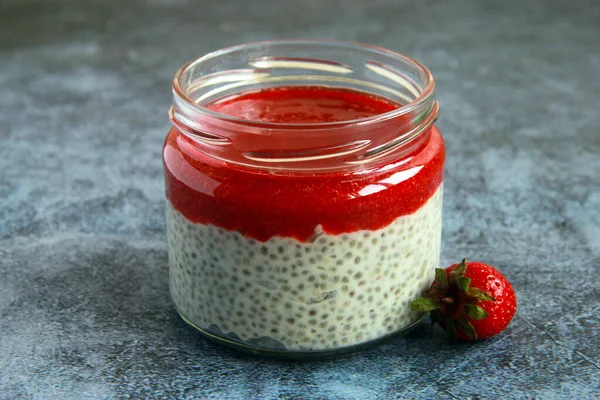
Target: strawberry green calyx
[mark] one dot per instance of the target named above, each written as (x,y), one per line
(453,302)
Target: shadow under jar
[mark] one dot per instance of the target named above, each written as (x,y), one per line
(304,195)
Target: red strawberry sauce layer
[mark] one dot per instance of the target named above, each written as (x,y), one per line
(262,205)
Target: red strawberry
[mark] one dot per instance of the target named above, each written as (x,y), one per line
(470,300)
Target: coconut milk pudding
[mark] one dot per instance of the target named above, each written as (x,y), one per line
(304,195)
(331,292)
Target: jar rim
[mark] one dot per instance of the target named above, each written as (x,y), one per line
(424,96)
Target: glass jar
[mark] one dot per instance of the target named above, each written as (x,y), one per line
(302,239)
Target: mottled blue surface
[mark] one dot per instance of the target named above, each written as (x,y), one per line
(84,91)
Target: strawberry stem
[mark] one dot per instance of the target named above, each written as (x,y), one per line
(452,302)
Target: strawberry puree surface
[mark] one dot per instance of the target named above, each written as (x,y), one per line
(262,205)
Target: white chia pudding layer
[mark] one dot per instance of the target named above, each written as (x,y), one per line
(337,291)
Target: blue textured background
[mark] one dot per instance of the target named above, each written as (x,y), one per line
(84,93)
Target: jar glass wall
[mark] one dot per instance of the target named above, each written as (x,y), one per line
(303,237)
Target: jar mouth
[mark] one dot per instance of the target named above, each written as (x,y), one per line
(425,90)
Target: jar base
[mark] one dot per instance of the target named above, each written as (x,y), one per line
(300,354)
